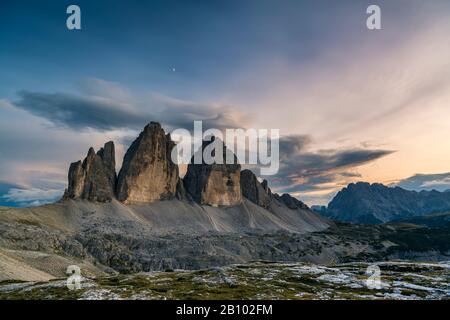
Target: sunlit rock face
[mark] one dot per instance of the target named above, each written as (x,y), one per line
(93,179)
(148,173)
(214,184)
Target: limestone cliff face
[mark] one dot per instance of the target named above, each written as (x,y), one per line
(148,173)
(214,184)
(255,191)
(93,179)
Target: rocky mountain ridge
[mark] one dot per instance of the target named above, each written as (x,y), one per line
(148,175)
(376,203)
(93,179)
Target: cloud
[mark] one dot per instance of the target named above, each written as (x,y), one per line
(107,106)
(30,197)
(293,144)
(181,114)
(439,182)
(79,112)
(102,88)
(35,154)
(318,174)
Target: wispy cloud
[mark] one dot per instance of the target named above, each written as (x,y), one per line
(108,106)
(318,174)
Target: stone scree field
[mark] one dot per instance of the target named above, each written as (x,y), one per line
(399,280)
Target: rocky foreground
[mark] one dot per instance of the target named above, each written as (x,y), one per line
(399,280)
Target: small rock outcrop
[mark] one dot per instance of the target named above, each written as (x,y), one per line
(291,202)
(93,179)
(148,173)
(260,193)
(216,184)
(253,190)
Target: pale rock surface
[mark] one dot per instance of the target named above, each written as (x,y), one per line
(148,173)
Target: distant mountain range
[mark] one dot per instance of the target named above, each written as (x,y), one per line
(376,203)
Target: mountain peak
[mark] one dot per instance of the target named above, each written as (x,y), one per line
(93,179)
(216,184)
(148,173)
(362,202)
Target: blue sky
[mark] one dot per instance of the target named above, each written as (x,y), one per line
(355,104)
(139,42)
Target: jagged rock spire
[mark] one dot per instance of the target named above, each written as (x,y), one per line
(94,178)
(148,173)
(255,191)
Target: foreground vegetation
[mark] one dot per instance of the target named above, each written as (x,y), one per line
(399,280)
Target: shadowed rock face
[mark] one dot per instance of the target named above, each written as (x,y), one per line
(290,201)
(148,173)
(256,192)
(260,193)
(107,153)
(93,179)
(214,184)
(376,203)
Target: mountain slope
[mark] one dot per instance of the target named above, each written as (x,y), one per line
(161,217)
(39,243)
